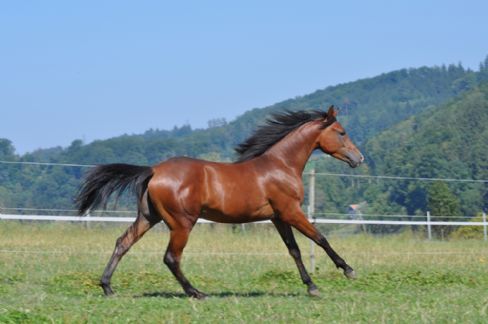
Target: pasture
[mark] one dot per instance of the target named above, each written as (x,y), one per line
(49,272)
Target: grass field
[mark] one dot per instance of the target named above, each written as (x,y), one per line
(50,273)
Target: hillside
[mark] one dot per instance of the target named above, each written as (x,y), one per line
(447,142)
(369,107)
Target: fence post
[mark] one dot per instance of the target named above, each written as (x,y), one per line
(310,212)
(87,221)
(429,229)
(485,232)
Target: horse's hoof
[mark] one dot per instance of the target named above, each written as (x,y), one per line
(197,294)
(314,292)
(350,273)
(107,290)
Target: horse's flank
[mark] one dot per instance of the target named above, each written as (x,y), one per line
(221,192)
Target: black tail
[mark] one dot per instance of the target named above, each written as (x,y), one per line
(106,179)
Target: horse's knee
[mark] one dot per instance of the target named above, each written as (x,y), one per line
(295,253)
(169,260)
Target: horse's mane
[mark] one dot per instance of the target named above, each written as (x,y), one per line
(276,128)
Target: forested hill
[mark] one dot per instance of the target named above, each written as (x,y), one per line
(446,141)
(450,141)
(368,107)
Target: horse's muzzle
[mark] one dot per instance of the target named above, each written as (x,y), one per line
(354,159)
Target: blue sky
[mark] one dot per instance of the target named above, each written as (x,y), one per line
(97,69)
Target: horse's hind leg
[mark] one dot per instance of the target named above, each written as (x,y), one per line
(287,235)
(142,224)
(177,241)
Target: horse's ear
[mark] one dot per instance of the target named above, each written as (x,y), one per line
(332,112)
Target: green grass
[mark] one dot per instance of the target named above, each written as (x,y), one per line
(50,273)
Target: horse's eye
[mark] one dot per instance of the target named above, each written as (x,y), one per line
(343,133)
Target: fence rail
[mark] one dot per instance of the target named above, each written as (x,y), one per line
(313,220)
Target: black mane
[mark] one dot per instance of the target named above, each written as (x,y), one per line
(275,129)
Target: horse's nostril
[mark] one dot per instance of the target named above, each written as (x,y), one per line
(361,158)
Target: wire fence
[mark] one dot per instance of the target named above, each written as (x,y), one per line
(312,256)
(228,253)
(347,175)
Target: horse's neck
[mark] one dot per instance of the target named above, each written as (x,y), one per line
(295,149)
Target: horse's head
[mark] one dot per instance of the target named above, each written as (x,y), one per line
(334,141)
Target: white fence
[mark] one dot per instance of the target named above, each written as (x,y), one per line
(313,220)
(427,222)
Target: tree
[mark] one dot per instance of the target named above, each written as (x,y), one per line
(216,122)
(7,150)
(7,153)
(441,202)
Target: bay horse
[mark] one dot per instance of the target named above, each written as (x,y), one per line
(265,183)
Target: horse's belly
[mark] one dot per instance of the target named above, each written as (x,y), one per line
(244,215)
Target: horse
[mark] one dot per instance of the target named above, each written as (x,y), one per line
(265,183)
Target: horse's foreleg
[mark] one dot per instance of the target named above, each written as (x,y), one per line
(301,223)
(287,235)
(172,258)
(123,244)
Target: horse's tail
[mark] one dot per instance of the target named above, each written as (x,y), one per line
(106,179)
